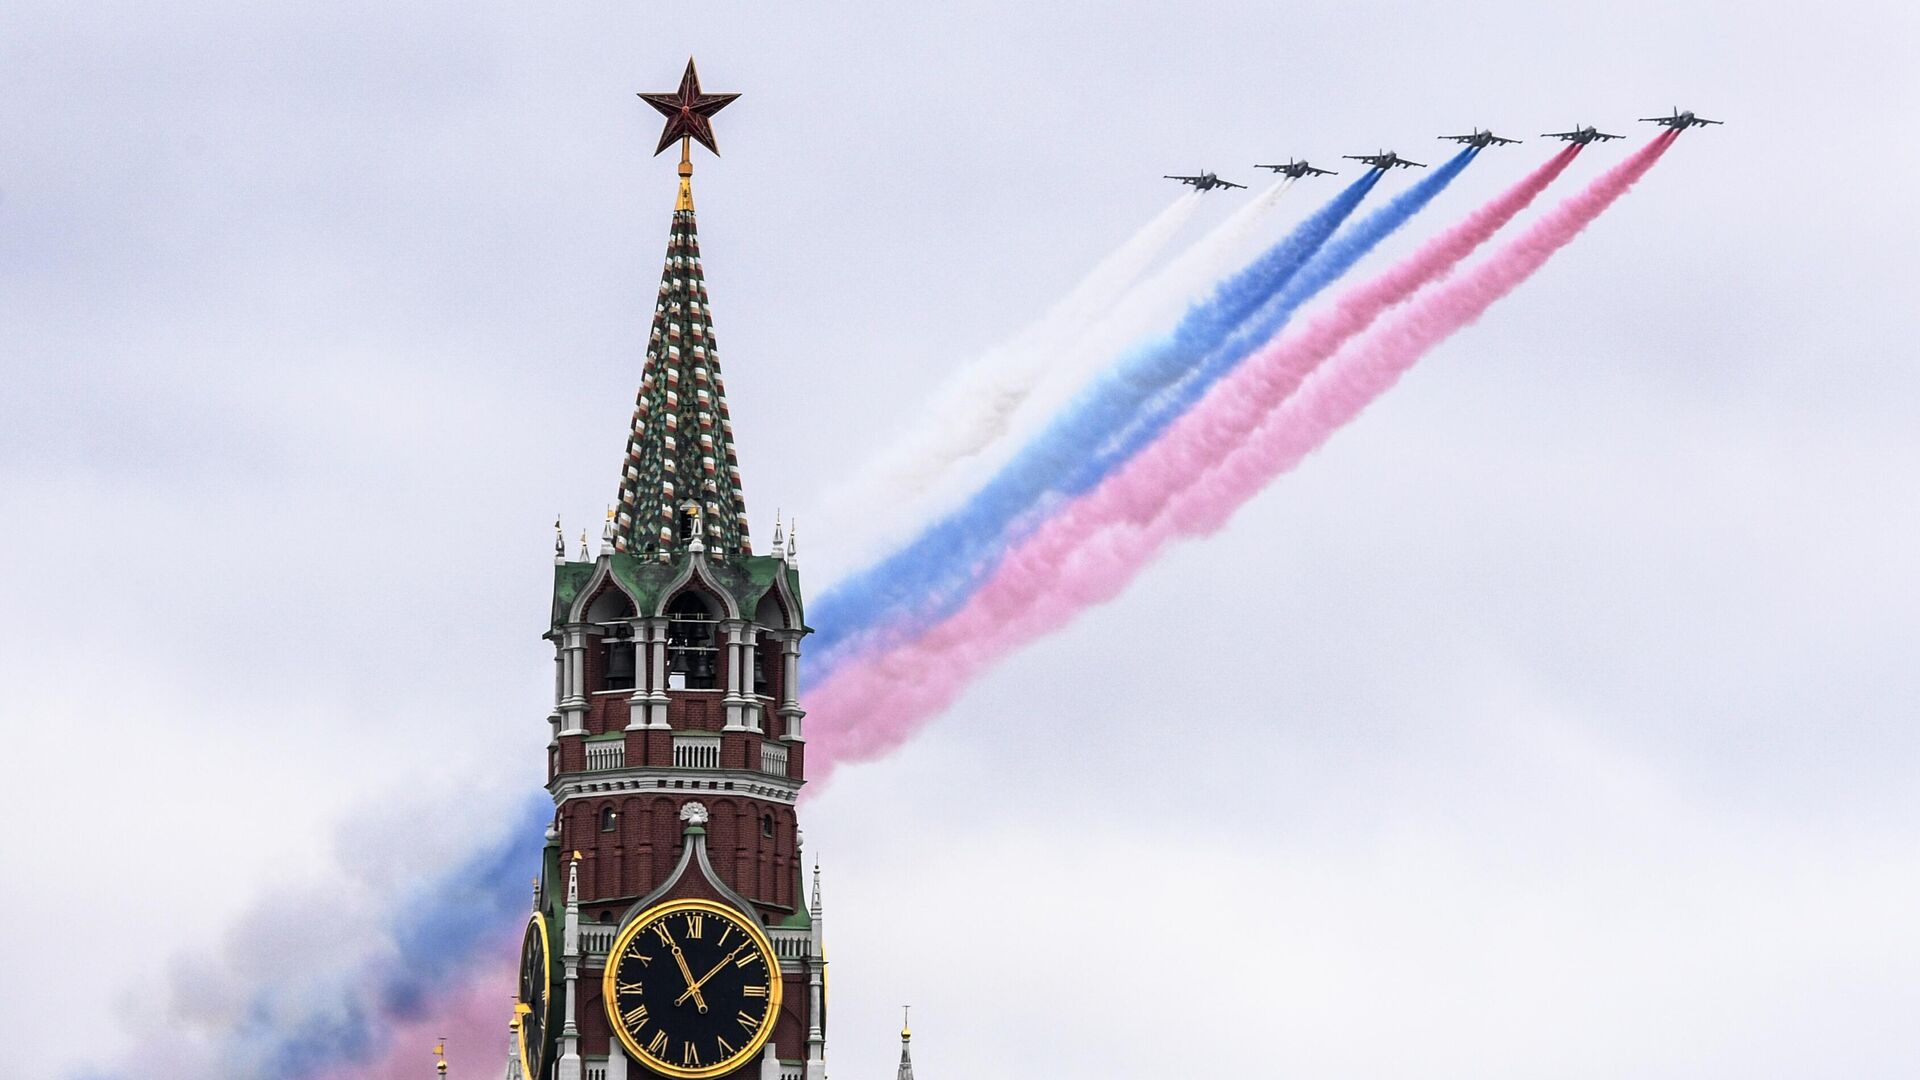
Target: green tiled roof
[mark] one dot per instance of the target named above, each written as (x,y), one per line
(680,449)
(747,580)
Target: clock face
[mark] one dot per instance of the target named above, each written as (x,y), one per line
(692,988)
(536,983)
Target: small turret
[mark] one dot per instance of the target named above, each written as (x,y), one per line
(906,1045)
(559,542)
(513,1049)
(793,545)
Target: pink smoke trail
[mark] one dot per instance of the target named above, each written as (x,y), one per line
(1087,554)
(472,1020)
(1216,425)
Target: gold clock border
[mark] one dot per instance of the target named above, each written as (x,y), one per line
(527,1067)
(775,988)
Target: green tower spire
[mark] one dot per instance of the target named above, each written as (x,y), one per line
(682,477)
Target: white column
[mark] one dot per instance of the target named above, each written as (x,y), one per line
(816,1033)
(753,715)
(735,701)
(640,701)
(790,710)
(569,1067)
(769,1064)
(616,1060)
(657,674)
(573,703)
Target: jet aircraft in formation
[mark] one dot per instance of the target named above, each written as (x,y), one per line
(1297,169)
(1582,135)
(1206,181)
(1679,121)
(1481,138)
(1385,160)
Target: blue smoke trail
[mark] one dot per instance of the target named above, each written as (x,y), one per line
(940,566)
(437,935)
(1326,267)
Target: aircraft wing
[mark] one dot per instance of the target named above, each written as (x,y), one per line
(1506,142)
(1183,179)
(1229,183)
(1698,120)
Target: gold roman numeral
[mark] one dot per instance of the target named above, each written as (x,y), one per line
(755,991)
(660,931)
(724,931)
(689,1057)
(751,1023)
(694,924)
(635,1018)
(749,959)
(658,1046)
(630,988)
(726,1051)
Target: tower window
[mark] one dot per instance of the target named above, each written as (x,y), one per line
(766,824)
(693,657)
(611,610)
(620,664)
(609,819)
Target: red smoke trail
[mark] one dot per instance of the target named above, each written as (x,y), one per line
(1227,450)
(1220,421)
(472,1018)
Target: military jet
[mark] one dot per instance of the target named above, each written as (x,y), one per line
(1582,135)
(1679,121)
(1385,160)
(1206,181)
(1297,169)
(1482,139)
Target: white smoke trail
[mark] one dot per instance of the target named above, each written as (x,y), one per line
(1152,304)
(972,409)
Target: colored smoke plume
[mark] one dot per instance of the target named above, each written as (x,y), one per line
(974,407)
(1326,267)
(934,572)
(319,978)
(872,706)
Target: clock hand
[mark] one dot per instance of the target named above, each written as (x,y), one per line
(681,959)
(694,987)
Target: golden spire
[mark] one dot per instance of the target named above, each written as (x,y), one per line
(685,201)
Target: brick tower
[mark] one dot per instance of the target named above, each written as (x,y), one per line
(672,934)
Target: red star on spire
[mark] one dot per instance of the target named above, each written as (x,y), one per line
(687,110)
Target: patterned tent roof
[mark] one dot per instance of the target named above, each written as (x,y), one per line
(681,466)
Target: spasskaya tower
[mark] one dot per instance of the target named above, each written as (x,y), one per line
(673,933)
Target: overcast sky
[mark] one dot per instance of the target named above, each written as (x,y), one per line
(1558,720)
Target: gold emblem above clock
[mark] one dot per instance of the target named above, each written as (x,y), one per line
(692,988)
